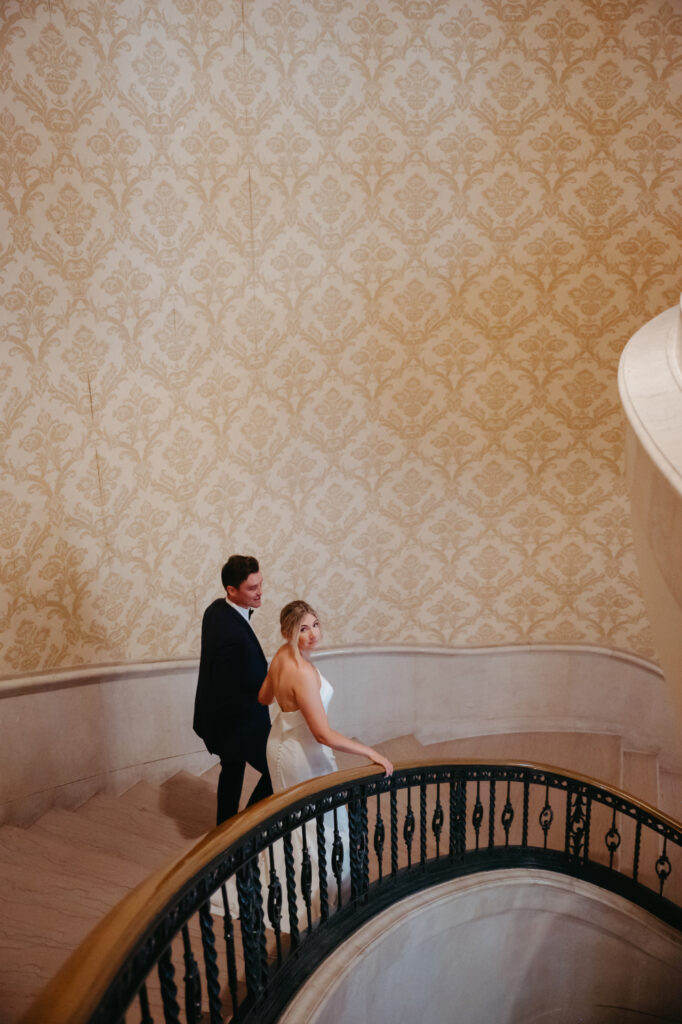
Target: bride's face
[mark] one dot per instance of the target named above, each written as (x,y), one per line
(309,633)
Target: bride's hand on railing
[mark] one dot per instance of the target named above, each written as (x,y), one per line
(385,764)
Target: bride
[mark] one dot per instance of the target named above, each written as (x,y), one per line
(301,736)
(301,739)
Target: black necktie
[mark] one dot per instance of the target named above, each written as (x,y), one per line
(250,612)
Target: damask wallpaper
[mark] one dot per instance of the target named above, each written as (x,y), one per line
(340,283)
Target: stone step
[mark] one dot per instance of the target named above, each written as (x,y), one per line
(135,812)
(116,839)
(597,755)
(34,850)
(35,940)
(62,891)
(400,748)
(190,799)
(183,806)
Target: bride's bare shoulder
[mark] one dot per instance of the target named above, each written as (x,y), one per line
(285,667)
(296,672)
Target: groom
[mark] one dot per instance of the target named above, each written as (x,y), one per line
(232,667)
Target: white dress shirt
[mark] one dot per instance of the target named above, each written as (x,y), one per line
(238,608)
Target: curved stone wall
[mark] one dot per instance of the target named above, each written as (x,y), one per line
(650,381)
(65,736)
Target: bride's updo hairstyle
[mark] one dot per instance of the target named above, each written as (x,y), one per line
(290,619)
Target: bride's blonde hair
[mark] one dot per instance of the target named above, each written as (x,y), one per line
(290,619)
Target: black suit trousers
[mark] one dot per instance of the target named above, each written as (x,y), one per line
(246,748)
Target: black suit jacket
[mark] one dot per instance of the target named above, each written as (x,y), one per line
(232,668)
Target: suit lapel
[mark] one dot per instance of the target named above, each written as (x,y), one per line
(243,624)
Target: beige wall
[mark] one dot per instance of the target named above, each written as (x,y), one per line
(342,284)
(69,734)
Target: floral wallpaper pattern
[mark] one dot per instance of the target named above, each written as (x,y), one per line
(340,283)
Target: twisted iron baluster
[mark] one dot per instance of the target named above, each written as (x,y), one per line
(586,828)
(546,816)
(638,843)
(477,816)
(192,981)
(394,830)
(364,847)
(379,838)
(337,860)
(507,814)
(354,848)
(454,824)
(612,839)
(228,933)
(575,824)
(306,878)
(359,853)
(322,866)
(408,827)
(422,821)
(491,815)
(437,821)
(250,897)
(290,873)
(275,903)
(462,816)
(567,832)
(143,997)
(210,965)
(663,866)
(457,841)
(526,801)
(169,990)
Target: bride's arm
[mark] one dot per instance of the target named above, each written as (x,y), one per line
(266,694)
(312,708)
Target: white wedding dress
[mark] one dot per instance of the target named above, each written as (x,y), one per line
(294,755)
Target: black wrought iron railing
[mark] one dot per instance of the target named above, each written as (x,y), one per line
(234,928)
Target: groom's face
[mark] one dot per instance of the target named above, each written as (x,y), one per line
(248,593)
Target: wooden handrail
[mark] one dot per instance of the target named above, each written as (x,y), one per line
(74,993)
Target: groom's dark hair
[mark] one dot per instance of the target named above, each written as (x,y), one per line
(236,569)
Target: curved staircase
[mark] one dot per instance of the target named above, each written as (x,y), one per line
(61,874)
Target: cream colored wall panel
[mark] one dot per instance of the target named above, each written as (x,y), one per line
(442,694)
(375,694)
(650,380)
(72,740)
(68,735)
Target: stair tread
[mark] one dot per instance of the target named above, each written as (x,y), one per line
(151,852)
(32,949)
(400,748)
(123,812)
(25,888)
(598,754)
(183,799)
(35,849)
